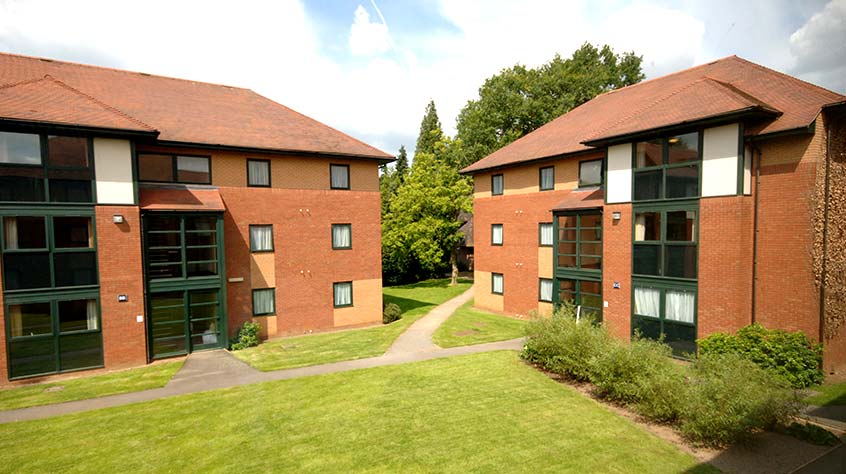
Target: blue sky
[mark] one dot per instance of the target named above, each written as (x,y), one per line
(369,68)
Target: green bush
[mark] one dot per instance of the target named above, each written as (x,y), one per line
(391,313)
(642,375)
(248,336)
(812,434)
(790,354)
(729,398)
(561,345)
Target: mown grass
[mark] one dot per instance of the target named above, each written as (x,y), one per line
(472,326)
(830,394)
(479,413)
(132,380)
(415,300)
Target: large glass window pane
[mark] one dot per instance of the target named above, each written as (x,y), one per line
(72,232)
(647,327)
(339,176)
(30,319)
(342,293)
(680,306)
(496,234)
(201,297)
(26,270)
(593,287)
(680,337)
(590,173)
(70,190)
(681,226)
(546,234)
(200,223)
(648,184)
(341,236)
(591,263)
(200,254)
(261,238)
(155,168)
(75,268)
(547,178)
(647,226)
(590,249)
(682,148)
(32,356)
(77,315)
(497,283)
(649,153)
(258,173)
(24,232)
(646,259)
(65,152)
(157,223)
(546,287)
(591,220)
(647,301)
(680,261)
(683,182)
(22,184)
(567,290)
(567,260)
(201,269)
(201,238)
(172,239)
(496,184)
(193,169)
(567,235)
(264,300)
(80,351)
(20,148)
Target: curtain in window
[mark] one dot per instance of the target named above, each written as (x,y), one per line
(343,294)
(10,227)
(640,227)
(259,173)
(647,302)
(497,284)
(680,306)
(91,314)
(341,236)
(547,178)
(496,234)
(16,319)
(340,177)
(261,237)
(546,290)
(264,301)
(546,234)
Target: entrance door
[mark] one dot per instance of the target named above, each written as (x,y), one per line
(184,321)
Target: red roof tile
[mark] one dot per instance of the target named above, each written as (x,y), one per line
(730,84)
(185,111)
(180,199)
(581,200)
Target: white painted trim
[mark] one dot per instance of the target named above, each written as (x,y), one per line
(113,162)
(719,160)
(618,187)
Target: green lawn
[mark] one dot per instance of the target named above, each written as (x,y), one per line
(471,326)
(479,413)
(829,394)
(132,380)
(415,300)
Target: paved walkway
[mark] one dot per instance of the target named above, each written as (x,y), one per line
(211,370)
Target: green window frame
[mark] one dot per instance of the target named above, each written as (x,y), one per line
(336,230)
(494,277)
(654,317)
(546,178)
(584,292)
(337,181)
(265,291)
(660,178)
(579,241)
(251,180)
(176,174)
(551,291)
(584,182)
(255,246)
(52,179)
(546,234)
(674,257)
(175,244)
(497,184)
(497,235)
(339,299)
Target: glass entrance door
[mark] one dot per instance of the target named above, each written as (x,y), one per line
(184,321)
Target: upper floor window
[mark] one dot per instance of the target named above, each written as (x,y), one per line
(341,236)
(496,234)
(39,168)
(667,168)
(174,168)
(546,234)
(665,243)
(261,238)
(590,173)
(258,173)
(181,246)
(496,184)
(547,178)
(339,176)
(580,241)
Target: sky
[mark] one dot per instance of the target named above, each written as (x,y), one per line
(369,67)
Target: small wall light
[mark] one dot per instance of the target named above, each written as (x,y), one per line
(118,219)
(616,215)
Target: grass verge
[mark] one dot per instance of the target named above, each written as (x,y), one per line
(472,326)
(829,394)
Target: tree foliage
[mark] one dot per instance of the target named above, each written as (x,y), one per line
(518,99)
(430,131)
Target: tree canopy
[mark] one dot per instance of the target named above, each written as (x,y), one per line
(430,130)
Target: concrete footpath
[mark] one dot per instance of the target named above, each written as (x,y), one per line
(210,370)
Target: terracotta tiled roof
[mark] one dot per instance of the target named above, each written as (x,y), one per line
(182,111)
(727,85)
(180,198)
(581,200)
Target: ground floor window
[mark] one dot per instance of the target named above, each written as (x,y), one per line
(584,293)
(264,302)
(52,334)
(546,289)
(664,310)
(343,295)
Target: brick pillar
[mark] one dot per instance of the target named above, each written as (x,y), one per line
(617,267)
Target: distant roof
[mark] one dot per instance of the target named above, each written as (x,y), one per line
(180,110)
(722,87)
(466,228)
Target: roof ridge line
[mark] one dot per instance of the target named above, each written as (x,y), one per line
(21,83)
(743,94)
(791,78)
(647,81)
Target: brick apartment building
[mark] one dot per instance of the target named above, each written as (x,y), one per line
(701,201)
(145,217)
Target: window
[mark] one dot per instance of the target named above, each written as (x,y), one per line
(258,173)
(590,173)
(667,168)
(670,311)
(496,185)
(53,335)
(181,246)
(342,294)
(341,236)
(174,168)
(545,290)
(339,176)
(580,241)
(584,293)
(261,238)
(497,283)
(264,302)
(35,258)
(546,233)
(547,178)
(665,243)
(29,162)
(496,234)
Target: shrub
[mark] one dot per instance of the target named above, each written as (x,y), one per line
(791,354)
(813,434)
(642,375)
(561,345)
(391,313)
(729,398)
(248,336)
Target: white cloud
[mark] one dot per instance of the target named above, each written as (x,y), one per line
(368,37)
(819,46)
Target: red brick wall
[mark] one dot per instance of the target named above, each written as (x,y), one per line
(120,266)
(617,267)
(306,265)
